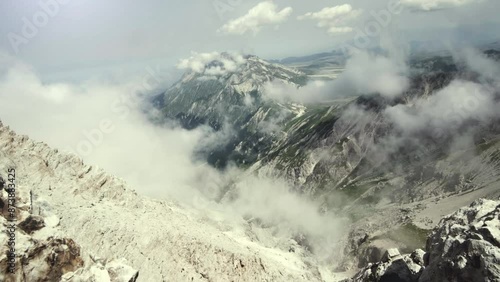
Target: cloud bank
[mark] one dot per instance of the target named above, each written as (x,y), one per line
(458,103)
(366,73)
(334,19)
(264,14)
(448,108)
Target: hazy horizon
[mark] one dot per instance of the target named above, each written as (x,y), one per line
(77,39)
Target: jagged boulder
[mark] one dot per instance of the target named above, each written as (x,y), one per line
(49,260)
(393,267)
(466,245)
(32,223)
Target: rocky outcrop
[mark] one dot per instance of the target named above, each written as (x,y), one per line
(32,224)
(465,246)
(49,259)
(42,251)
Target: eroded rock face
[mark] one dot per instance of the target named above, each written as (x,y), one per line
(49,260)
(465,246)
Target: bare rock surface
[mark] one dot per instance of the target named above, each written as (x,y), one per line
(44,254)
(393,267)
(466,245)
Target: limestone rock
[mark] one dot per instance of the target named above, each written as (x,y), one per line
(465,245)
(391,254)
(394,267)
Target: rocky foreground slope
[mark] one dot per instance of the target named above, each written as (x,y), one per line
(77,223)
(92,218)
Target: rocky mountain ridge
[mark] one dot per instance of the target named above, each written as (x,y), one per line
(227,96)
(42,251)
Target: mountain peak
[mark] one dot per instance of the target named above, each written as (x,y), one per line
(226,65)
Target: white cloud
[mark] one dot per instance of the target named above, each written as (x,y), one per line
(197,62)
(429,5)
(71,117)
(448,108)
(478,62)
(335,19)
(365,74)
(265,13)
(222,63)
(457,103)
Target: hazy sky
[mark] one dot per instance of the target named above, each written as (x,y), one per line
(86,36)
